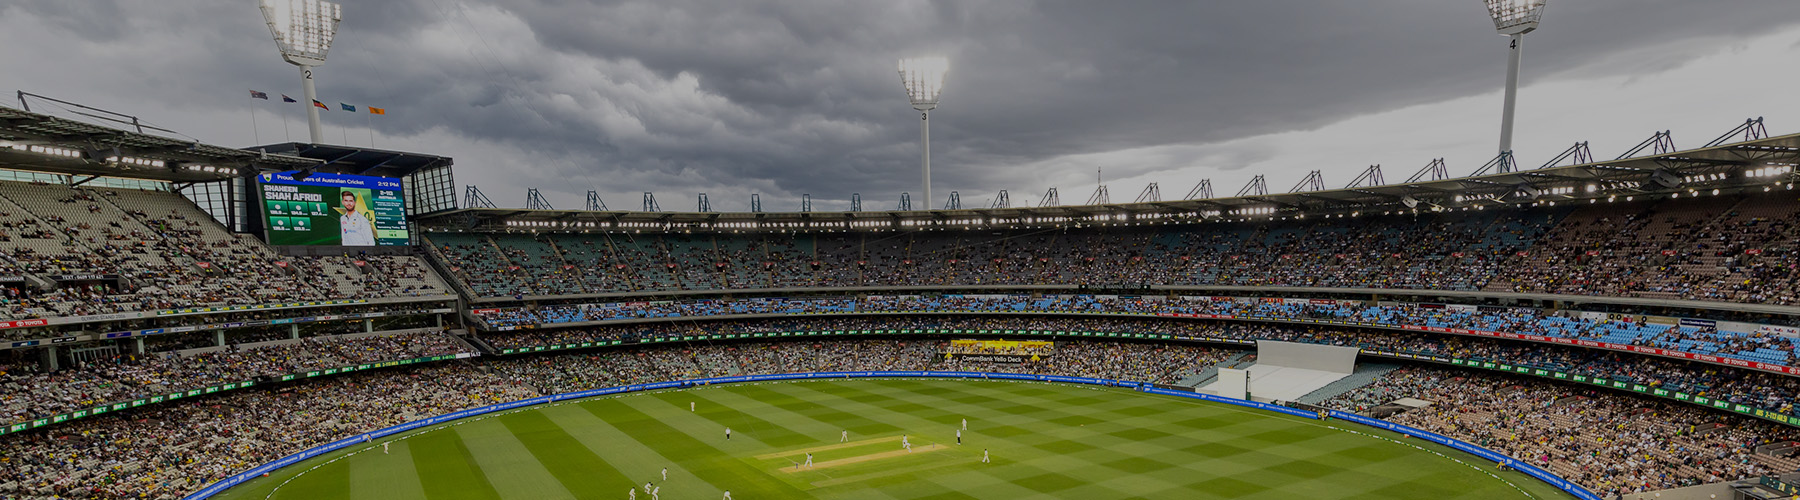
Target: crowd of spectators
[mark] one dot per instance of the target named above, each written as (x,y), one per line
(1763,390)
(27,392)
(169,451)
(1611,443)
(166,452)
(110,250)
(1730,248)
(1602,440)
(1760,346)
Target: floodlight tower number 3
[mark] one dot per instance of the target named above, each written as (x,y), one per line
(924,81)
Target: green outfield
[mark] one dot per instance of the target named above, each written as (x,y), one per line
(1045,440)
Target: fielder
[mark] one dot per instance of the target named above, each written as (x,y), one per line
(727,494)
(384,447)
(633,492)
(690,406)
(984,456)
(665,473)
(844,437)
(904,443)
(965,424)
(646,487)
(656,493)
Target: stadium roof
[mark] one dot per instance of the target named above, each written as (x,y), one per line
(359,161)
(39,142)
(1753,165)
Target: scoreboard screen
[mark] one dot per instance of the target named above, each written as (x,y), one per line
(333,209)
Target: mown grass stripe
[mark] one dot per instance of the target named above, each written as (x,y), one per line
(377,475)
(713,464)
(577,467)
(330,480)
(637,460)
(769,433)
(832,417)
(447,469)
(510,466)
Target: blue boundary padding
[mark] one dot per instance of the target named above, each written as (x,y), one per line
(240,478)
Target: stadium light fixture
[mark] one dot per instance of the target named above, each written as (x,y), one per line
(303,30)
(1513,18)
(924,81)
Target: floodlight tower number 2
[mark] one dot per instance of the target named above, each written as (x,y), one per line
(303,30)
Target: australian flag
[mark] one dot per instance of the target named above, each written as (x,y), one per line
(259,95)
(285,98)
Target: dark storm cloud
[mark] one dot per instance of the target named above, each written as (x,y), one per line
(783,97)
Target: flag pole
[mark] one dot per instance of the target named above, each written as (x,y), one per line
(371,117)
(253,132)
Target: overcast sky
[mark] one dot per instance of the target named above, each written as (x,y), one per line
(732,97)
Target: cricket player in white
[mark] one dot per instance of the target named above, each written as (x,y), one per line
(727,433)
(646,487)
(844,437)
(665,473)
(633,492)
(984,456)
(384,449)
(959,437)
(809,460)
(904,443)
(965,424)
(355,227)
(656,494)
(727,494)
(690,406)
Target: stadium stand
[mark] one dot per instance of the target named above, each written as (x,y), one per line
(1724,249)
(112,295)
(1613,444)
(1545,422)
(135,250)
(1746,344)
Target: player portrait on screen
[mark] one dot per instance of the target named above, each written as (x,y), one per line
(355,225)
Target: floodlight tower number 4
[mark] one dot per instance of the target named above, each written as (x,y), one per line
(1513,18)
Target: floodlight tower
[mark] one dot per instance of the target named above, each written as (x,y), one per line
(924,81)
(1513,18)
(303,30)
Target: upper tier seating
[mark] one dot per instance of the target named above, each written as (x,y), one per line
(1723,248)
(152,250)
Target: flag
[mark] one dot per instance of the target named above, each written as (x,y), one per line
(348,107)
(377,111)
(320,105)
(285,98)
(259,95)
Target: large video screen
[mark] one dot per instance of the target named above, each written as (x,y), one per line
(334,209)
